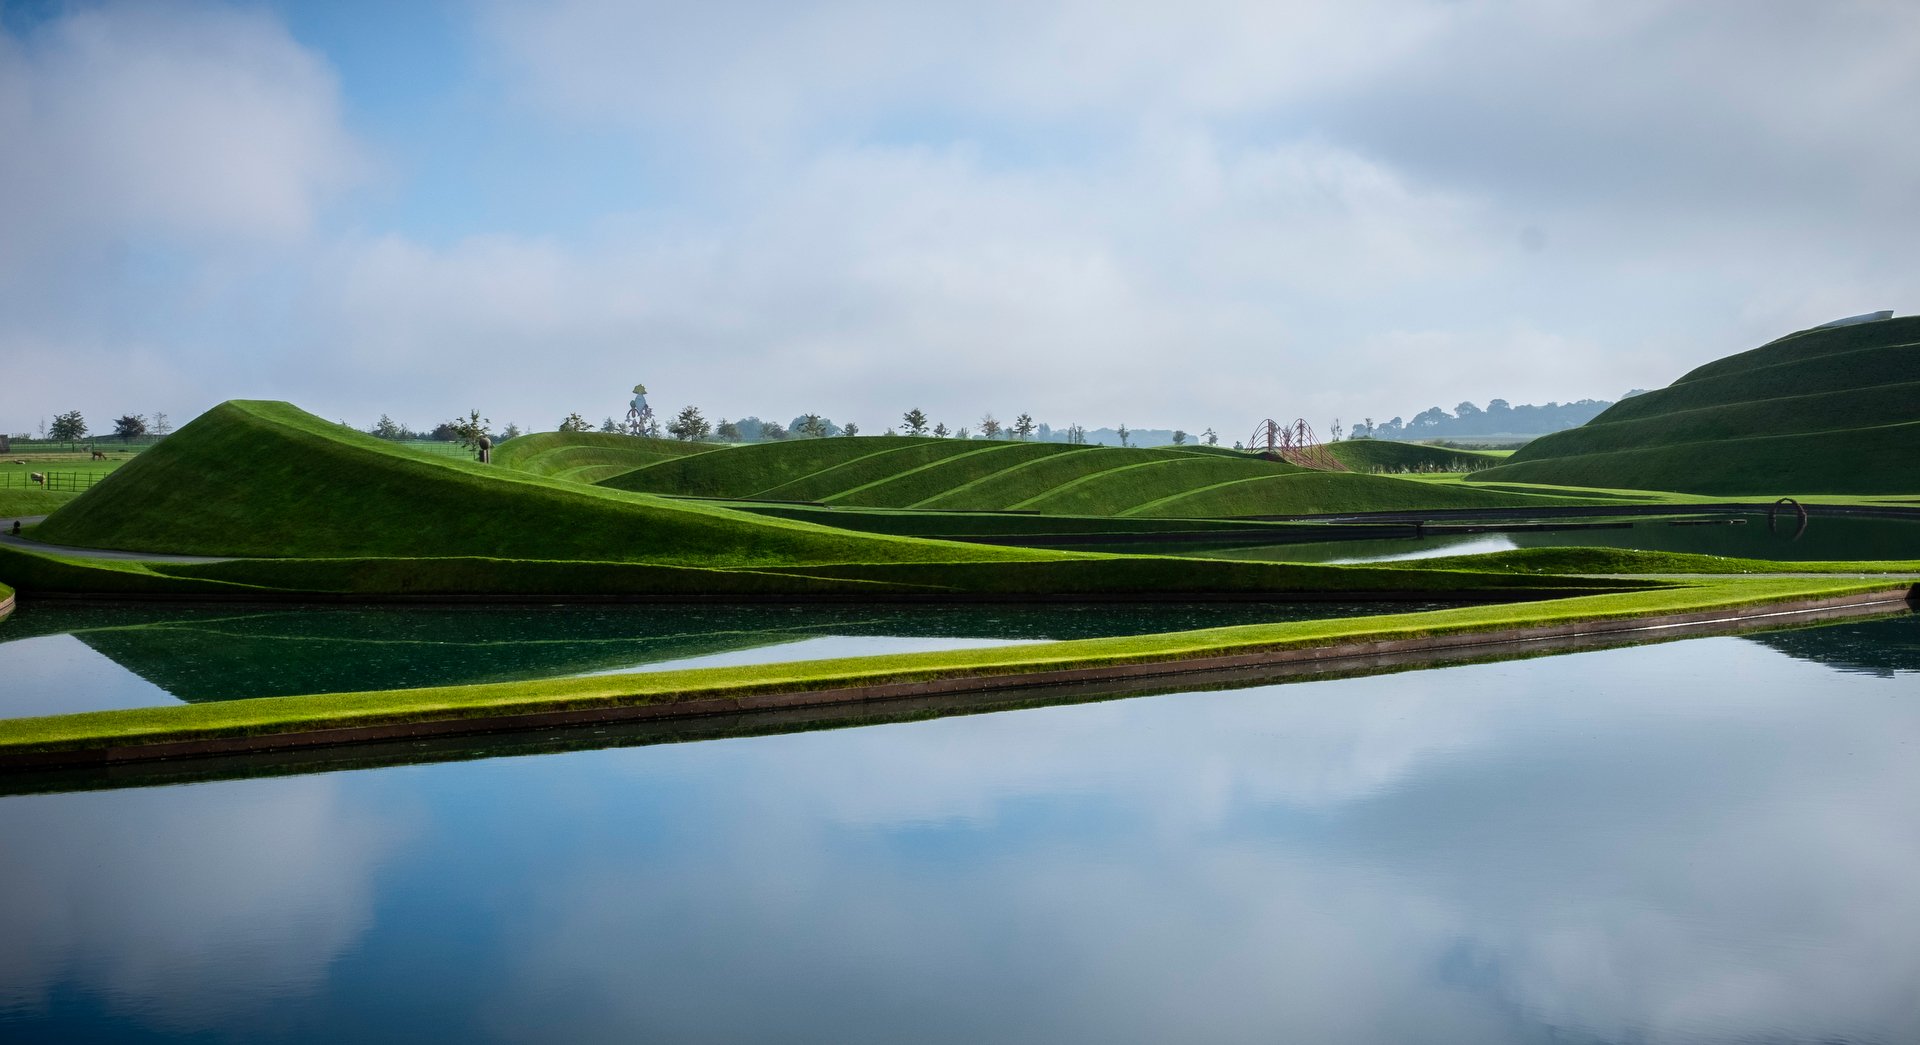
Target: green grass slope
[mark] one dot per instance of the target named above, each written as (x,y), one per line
(587,457)
(267,479)
(1819,411)
(1386,455)
(751,471)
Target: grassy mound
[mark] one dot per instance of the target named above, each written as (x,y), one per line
(1385,455)
(267,479)
(587,457)
(1060,479)
(1820,411)
(1315,493)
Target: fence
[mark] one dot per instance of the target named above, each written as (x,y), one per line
(56,482)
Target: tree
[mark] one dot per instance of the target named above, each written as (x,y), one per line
(610,426)
(385,428)
(1077,434)
(1179,437)
(161,426)
(512,431)
(772,430)
(444,432)
(1335,430)
(469,430)
(940,430)
(1023,426)
(130,427)
(689,425)
(727,430)
(989,428)
(1123,433)
(915,421)
(813,426)
(69,427)
(573,423)
(962,433)
(851,430)
(1211,438)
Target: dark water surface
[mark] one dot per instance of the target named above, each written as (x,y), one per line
(58,658)
(1713,840)
(1836,539)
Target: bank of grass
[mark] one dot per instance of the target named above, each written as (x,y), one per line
(1623,561)
(6,602)
(587,457)
(1826,411)
(31,501)
(1080,574)
(286,715)
(1387,455)
(269,480)
(1316,493)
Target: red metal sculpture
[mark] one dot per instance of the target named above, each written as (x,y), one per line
(1294,444)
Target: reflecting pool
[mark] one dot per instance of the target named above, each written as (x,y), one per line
(1736,536)
(1712,840)
(57,658)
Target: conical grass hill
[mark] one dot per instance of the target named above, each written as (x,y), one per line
(251,478)
(1822,411)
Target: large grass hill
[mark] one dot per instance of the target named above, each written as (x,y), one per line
(586,457)
(1054,478)
(266,479)
(1833,411)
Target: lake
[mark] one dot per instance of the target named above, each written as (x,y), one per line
(1709,840)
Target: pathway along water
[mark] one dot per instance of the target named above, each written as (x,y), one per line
(1697,842)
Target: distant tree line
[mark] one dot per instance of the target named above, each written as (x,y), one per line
(1499,418)
(71,427)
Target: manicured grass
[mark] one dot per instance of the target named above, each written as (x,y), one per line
(1063,573)
(31,501)
(970,525)
(587,457)
(304,713)
(1041,476)
(911,488)
(266,479)
(1386,455)
(1824,411)
(1614,561)
(1116,490)
(1308,493)
(749,471)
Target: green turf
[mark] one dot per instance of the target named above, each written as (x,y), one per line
(1817,412)
(1310,493)
(749,471)
(31,501)
(1620,561)
(1038,477)
(915,486)
(266,479)
(1386,455)
(587,456)
(305,713)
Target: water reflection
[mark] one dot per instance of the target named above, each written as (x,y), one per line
(1827,538)
(58,658)
(1701,841)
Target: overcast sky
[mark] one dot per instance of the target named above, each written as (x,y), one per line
(1168,214)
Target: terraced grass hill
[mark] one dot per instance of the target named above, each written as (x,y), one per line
(587,457)
(1050,478)
(267,479)
(1386,455)
(1834,411)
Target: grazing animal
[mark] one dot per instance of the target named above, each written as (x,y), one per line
(38,477)
(98,456)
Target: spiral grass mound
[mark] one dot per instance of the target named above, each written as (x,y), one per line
(1822,411)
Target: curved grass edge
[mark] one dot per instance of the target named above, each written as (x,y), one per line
(6,602)
(281,721)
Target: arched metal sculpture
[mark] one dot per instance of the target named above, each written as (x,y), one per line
(1294,444)
(1774,512)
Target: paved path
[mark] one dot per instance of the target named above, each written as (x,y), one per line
(7,538)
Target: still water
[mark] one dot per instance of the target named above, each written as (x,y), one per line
(1736,536)
(56,658)
(1712,840)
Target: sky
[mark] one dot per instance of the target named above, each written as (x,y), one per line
(1169,215)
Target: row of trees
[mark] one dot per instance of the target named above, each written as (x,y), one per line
(1498,418)
(71,427)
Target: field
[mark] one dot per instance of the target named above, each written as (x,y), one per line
(1823,411)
